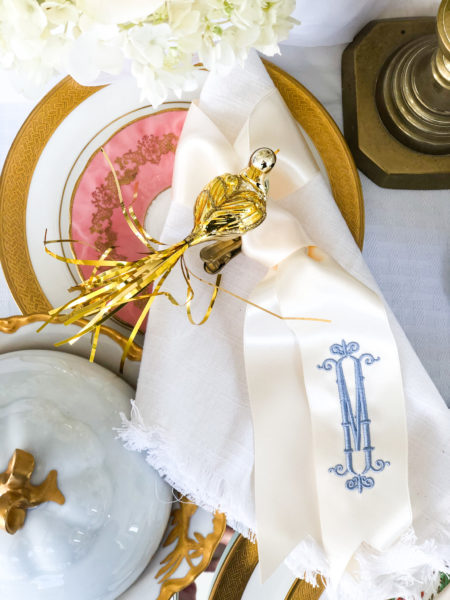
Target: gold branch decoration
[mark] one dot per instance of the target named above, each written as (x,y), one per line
(187,549)
(12,324)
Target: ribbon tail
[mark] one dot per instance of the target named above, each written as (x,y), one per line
(329,421)
(339,555)
(282,433)
(354,387)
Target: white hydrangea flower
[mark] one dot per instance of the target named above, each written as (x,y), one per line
(118,11)
(60,12)
(160,40)
(219,55)
(23,25)
(91,55)
(96,51)
(7,56)
(186,23)
(28,43)
(148,44)
(159,66)
(151,84)
(276,26)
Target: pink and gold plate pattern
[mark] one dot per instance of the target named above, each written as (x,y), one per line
(143,154)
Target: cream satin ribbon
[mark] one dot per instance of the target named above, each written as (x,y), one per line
(297,407)
(310,283)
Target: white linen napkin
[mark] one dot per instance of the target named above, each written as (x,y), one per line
(192,414)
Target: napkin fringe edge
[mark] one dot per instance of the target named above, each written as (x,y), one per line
(408,569)
(137,437)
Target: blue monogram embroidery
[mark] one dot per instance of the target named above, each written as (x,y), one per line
(356,426)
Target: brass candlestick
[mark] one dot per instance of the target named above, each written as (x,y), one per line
(413,92)
(396,100)
(18,494)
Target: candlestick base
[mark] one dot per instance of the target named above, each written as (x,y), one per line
(384,155)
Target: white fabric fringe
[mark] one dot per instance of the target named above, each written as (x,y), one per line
(156,447)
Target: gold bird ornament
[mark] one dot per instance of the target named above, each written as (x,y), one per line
(229,206)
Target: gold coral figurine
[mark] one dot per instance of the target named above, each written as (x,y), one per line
(229,206)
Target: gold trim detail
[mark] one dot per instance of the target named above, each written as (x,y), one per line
(236,571)
(67,95)
(237,568)
(331,145)
(301,590)
(187,549)
(15,183)
(12,324)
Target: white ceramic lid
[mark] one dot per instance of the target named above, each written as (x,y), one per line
(64,411)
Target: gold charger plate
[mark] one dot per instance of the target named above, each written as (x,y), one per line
(67,95)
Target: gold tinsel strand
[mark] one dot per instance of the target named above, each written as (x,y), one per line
(229,206)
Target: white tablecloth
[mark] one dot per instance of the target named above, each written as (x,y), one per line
(407,232)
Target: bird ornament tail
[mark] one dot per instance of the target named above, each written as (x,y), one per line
(229,206)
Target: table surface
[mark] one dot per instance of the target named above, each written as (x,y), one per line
(407,231)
